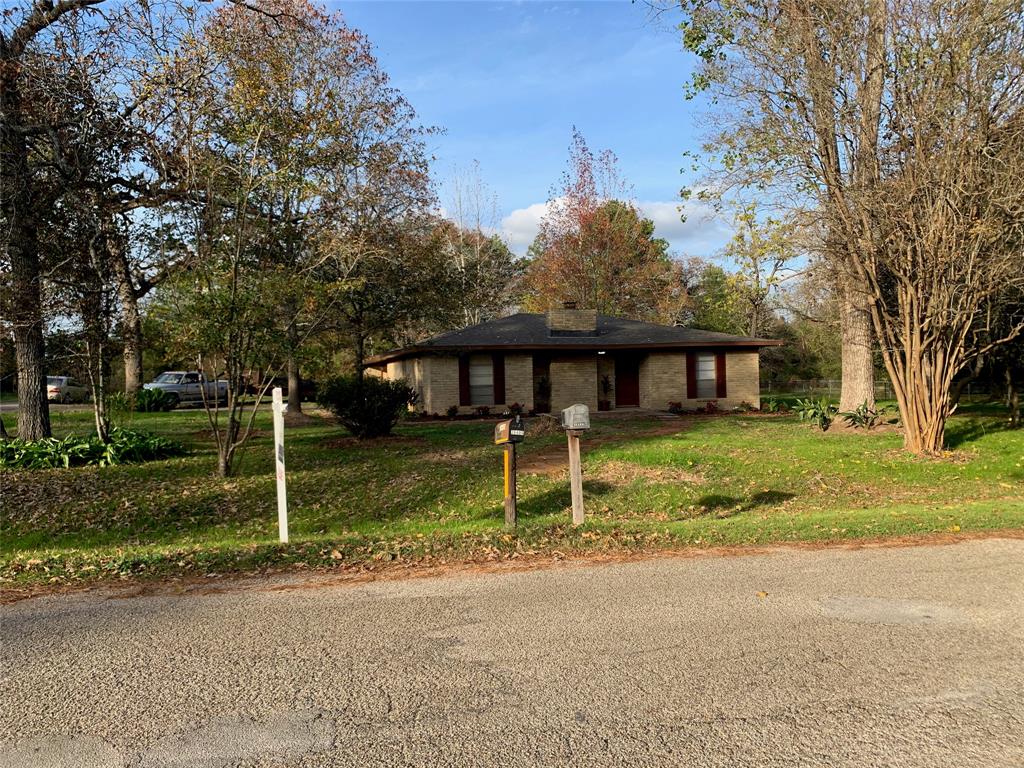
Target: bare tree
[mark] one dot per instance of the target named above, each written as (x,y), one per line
(484,270)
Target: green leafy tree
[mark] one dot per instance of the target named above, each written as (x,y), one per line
(761,249)
(715,304)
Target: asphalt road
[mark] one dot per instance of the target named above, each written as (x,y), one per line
(873,657)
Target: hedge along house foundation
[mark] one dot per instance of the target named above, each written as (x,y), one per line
(546,362)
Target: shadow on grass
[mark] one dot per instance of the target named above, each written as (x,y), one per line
(962,431)
(717,502)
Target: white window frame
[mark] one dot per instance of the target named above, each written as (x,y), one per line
(707,386)
(481,380)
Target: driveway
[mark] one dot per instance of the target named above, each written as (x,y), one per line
(832,657)
(11,407)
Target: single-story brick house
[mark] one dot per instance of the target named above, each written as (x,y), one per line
(548,362)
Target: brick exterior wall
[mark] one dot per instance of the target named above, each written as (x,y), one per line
(412,371)
(574,380)
(743,378)
(663,380)
(519,380)
(440,383)
(436,379)
(572,320)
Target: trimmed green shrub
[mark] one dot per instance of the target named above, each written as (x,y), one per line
(126,446)
(374,412)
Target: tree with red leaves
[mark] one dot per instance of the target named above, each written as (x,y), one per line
(594,247)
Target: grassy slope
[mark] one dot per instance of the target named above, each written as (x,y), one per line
(434,492)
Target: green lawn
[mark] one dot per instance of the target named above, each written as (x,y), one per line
(434,493)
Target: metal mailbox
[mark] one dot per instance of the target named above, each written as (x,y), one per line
(576,417)
(510,431)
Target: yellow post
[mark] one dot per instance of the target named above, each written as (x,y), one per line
(510,485)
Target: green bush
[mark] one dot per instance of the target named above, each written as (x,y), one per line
(143,401)
(152,400)
(375,412)
(864,417)
(819,412)
(126,446)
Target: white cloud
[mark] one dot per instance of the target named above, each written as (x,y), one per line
(702,234)
(520,227)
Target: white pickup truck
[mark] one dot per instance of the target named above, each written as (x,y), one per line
(186,388)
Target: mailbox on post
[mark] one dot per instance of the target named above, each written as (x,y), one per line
(510,431)
(507,434)
(576,419)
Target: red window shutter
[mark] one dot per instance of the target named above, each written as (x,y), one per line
(691,375)
(498,368)
(720,375)
(464,380)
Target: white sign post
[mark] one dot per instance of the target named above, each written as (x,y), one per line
(282,497)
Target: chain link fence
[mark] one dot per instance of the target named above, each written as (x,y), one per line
(832,387)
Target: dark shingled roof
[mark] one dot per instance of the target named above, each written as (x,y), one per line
(530,331)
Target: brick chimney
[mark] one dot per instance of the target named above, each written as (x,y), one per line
(570,321)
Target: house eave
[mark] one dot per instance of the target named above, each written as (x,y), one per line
(417,350)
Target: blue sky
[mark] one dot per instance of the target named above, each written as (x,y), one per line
(508,81)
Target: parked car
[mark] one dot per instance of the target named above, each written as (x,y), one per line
(187,387)
(64,389)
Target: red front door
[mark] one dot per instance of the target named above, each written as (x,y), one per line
(627,382)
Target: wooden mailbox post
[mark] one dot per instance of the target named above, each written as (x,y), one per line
(575,421)
(507,434)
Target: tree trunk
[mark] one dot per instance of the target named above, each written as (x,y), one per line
(3,430)
(858,384)
(95,308)
(224,463)
(294,382)
(1012,399)
(22,244)
(33,407)
(131,322)
(132,352)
